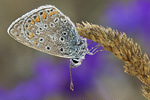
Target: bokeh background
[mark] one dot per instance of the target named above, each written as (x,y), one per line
(27,74)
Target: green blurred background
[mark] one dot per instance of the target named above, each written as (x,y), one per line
(18,63)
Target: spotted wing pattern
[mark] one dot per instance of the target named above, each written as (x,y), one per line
(48,30)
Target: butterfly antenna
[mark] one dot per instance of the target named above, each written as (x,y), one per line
(71,81)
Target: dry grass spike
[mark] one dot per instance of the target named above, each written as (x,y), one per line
(136,63)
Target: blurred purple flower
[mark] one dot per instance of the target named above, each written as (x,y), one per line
(45,82)
(132,17)
(49,80)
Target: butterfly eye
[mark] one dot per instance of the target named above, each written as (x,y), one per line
(75,60)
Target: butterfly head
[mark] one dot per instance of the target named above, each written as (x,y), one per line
(80,52)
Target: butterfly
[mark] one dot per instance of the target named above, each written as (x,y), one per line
(48,30)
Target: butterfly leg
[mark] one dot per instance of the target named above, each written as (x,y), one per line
(93,53)
(90,43)
(94,50)
(95,47)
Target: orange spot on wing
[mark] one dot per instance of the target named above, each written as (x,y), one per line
(37,19)
(44,15)
(35,42)
(52,13)
(32,22)
(29,27)
(57,12)
(31,35)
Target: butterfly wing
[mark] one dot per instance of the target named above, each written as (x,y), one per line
(46,29)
